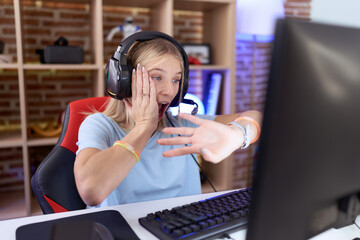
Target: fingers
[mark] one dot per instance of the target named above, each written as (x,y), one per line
(139,82)
(180,151)
(179,130)
(145,82)
(133,84)
(174,141)
(191,118)
(152,92)
(141,85)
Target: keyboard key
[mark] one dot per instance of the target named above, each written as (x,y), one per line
(187,230)
(167,227)
(178,233)
(194,227)
(150,216)
(203,225)
(211,222)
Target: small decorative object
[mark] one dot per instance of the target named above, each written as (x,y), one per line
(4,58)
(198,53)
(60,52)
(45,129)
(127,29)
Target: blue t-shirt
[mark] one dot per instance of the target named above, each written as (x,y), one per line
(154,176)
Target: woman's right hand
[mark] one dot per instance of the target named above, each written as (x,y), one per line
(143,107)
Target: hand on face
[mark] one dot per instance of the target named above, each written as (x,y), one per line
(143,107)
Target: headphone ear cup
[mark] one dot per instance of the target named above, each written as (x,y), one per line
(111,78)
(124,89)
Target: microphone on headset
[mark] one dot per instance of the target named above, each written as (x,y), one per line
(191,102)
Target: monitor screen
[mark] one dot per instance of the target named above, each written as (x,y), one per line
(307,176)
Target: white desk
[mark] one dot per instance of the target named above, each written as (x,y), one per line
(132,212)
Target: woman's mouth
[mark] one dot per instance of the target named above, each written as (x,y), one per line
(162,109)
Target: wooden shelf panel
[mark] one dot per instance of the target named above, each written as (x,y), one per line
(10,139)
(61,66)
(133,3)
(208,67)
(200,5)
(9,66)
(42,142)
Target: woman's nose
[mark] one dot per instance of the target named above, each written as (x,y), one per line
(167,88)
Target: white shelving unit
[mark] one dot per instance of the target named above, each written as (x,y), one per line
(218,30)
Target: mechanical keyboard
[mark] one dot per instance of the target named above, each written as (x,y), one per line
(201,220)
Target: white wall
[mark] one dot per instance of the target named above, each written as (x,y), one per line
(258,16)
(339,12)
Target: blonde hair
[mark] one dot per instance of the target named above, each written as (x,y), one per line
(142,52)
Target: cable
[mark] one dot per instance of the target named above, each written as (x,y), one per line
(227,236)
(201,170)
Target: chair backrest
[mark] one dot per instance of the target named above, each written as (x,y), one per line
(53,182)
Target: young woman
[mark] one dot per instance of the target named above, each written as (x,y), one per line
(119,160)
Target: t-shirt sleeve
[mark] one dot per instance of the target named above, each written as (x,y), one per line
(94,132)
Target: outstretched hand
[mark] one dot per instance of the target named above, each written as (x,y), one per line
(213,140)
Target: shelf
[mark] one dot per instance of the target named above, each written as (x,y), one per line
(208,67)
(61,66)
(200,5)
(9,66)
(218,30)
(42,142)
(10,139)
(133,3)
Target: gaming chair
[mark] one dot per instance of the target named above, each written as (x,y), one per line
(53,182)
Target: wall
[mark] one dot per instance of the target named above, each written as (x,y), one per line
(299,9)
(250,93)
(48,92)
(345,12)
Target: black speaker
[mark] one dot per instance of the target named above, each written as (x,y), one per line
(60,52)
(118,69)
(63,54)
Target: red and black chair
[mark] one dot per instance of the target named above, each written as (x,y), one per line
(53,182)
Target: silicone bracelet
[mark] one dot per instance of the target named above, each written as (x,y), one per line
(129,148)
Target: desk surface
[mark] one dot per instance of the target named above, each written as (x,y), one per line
(132,212)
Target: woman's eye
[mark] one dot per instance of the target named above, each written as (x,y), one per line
(156,78)
(176,80)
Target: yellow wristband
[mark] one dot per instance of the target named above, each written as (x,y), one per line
(129,148)
(255,123)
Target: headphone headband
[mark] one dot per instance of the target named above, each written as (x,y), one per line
(118,70)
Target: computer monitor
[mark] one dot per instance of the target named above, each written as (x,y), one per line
(307,176)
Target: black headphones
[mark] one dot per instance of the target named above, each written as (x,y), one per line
(118,69)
